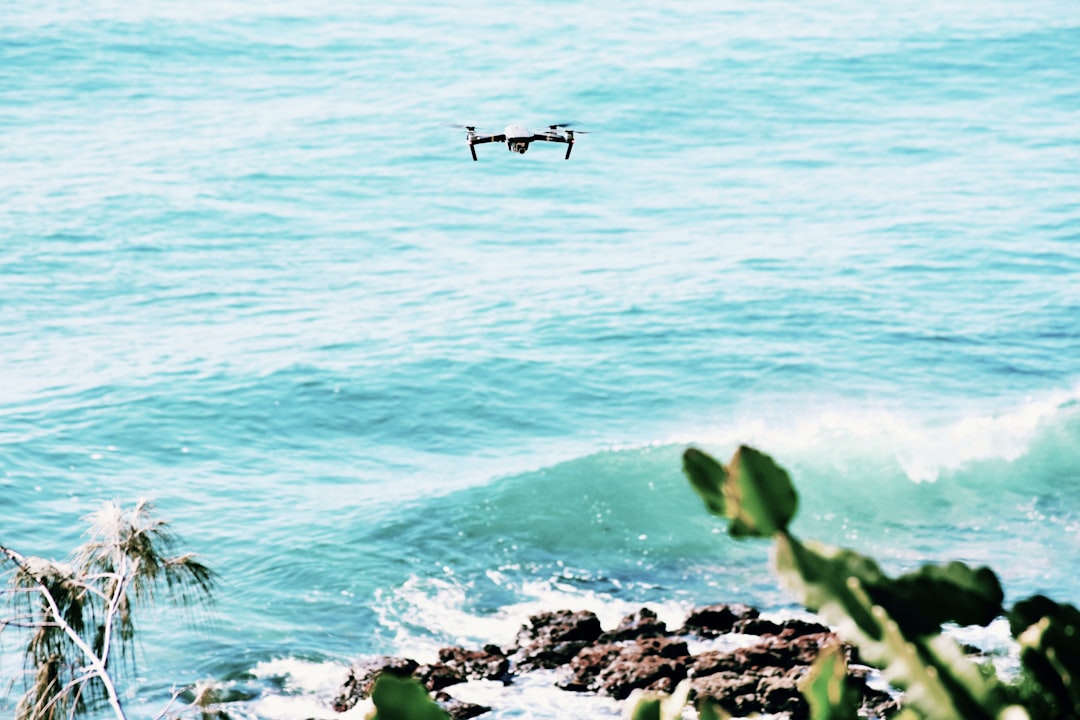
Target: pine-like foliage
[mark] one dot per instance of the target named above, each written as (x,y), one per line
(79,616)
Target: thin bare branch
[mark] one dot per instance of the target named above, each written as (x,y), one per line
(80,614)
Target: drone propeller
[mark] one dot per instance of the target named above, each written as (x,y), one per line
(557,126)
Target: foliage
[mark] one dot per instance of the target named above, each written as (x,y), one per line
(403,698)
(896,623)
(827,689)
(79,616)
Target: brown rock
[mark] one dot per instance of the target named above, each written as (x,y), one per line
(642,624)
(734,692)
(790,628)
(586,666)
(715,620)
(551,639)
(616,669)
(712,662)
(437,676)
(490,663)
(776,651)
(458,709)
(780,693)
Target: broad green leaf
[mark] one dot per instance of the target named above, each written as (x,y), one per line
(708,710)
(708,478)
(398,698)
(827,689)
(753,492)
(935,594)
(761,499)
(821,577)
(938,680)
(642,708)
(1049,637)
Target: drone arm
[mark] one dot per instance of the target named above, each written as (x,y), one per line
(481,139)
(475,140)
(569,147)
(550,137)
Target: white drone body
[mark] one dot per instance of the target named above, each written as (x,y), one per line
(517,138)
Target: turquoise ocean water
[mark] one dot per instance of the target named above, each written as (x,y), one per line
(400,399)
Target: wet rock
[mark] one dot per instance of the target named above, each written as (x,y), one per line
(552,639)
(586,666)
(716,620)
(490,663)
(640,652)
(713,662)
(779,693)
(783,652)
(772,690)
(733,691)
(616,669)
(642,624)
(790,628)
(436,676)
(878,704)
(458,709)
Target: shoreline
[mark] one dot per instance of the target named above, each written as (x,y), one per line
(729,653)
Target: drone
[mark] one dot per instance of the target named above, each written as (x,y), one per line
(517,138)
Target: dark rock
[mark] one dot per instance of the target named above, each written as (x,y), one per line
(716,620)
(551,639)
(712,662)
(733,691)
(458,709)
(617,669)
(586,666)
(642,624)
(437,676)
(760,678)
(776,651)
(641,653)
(653,672)
(787,628)
(362,674)
(878,704)
(780,693)
(490,663)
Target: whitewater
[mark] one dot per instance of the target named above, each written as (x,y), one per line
(399,399)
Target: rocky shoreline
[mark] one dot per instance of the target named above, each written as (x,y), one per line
(758,672)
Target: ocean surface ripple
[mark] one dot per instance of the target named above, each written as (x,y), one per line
(400,399)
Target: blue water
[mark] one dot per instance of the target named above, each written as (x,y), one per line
(399,399)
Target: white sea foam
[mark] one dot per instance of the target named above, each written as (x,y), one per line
(440,607)
(924,449)
(307,689)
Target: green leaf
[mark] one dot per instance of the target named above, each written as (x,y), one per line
(821,577)
(398,698)
(1049,637)
(838,584)
(646,708)
(708,478)
(708,710)
(827,689)
(753,492)
(935,594)
(761,498)
(648,705)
